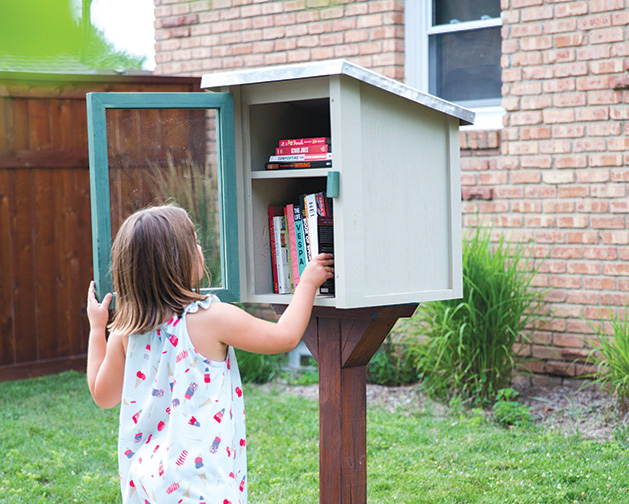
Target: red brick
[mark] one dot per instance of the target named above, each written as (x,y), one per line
(542,223)
(559,56)
(558,177)
(536,73)
(603,129)
(596,21)
(536,43)
(621,206)
(569,40)
(572,161)
(615,237)
(614,222)
(478,193)
(561,26)
(526,206)
(590,83)
(569,340)
(572,221)
(558,206)
(592,176)
(519,4)
(573,191)
(592,114)
(553,116)
(601,253)
(606,160)
(608,190)
(541,192)
(582,297)
(599,283)
(536,162)
(571,9)
(606,5)
(535,133)
(570,69)
(607,35)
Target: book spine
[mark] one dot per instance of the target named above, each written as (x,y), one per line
(311,213)
(272,212)
(292,235)
(301,157)
(288,253)
(304,223)
(321,208)
(325,233)
(304,141)
(281,254)
(308,149)
(299,238)
(296,165)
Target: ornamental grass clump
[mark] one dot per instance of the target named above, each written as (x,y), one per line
(470,343)
(610,355)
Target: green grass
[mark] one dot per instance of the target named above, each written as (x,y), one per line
(60,448)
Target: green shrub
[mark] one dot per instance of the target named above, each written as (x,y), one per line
(508,411)
(306,375)
(259,368)
(610,353)
(393,364)
(469,347)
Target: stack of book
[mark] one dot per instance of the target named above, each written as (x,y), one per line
(296,153)
(298,232)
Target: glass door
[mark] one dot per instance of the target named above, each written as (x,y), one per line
(148,149)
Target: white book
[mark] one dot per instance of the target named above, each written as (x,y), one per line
(311,215)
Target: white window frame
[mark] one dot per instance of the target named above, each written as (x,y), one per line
(418,28)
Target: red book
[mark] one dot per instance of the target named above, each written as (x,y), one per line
(304,141)
(308,149)
(301,157)
(273,211)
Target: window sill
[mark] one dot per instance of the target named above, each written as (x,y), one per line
(487,118)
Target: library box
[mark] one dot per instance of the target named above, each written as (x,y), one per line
(389,170)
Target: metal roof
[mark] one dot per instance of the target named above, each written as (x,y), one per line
(335,67)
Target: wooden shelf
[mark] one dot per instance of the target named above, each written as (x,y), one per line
(279,174)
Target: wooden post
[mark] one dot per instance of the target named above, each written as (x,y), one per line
(343,342)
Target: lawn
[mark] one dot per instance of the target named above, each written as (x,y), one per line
(60,448)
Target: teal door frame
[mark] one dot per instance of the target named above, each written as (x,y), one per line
(223,103)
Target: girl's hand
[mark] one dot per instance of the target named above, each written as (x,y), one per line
(97,313)
(318,270)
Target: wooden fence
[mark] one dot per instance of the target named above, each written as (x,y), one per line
(45,230)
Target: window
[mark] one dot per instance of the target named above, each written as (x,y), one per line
(453,51)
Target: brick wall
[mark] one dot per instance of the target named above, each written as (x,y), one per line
(562,175)
(196,37)
(555,176)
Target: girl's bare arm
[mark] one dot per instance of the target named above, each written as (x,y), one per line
(105,358)
(224,324)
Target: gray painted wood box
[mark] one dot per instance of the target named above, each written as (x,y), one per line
(397,217)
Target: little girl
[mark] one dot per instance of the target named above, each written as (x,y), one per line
(169,358)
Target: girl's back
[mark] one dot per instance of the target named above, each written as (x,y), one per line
(182,419)
(182,425)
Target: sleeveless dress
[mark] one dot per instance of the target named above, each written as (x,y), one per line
(182,421)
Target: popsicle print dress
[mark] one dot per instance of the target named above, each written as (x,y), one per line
(182,421)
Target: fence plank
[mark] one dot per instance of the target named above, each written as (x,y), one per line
(26,341)
(7,314)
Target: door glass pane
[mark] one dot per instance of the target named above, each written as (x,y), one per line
(159,156)
(466,65)
(453,11)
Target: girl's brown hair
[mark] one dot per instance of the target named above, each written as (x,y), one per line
(155,264)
